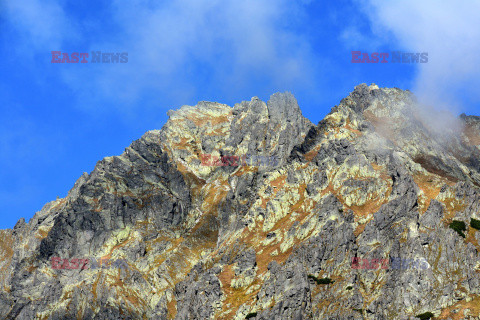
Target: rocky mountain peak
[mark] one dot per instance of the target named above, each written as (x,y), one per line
(252,211)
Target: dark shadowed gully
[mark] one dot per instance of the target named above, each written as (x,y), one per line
(370,182)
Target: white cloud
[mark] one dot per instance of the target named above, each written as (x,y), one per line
(449,32)
(233,41)
(177,48)
(40,25)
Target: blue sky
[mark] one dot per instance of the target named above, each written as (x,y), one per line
(58,120)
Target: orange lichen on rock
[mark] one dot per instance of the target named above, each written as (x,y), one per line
(172,308)
(348,126)
(369,208)
(452,206)
(471,238)
(265,256)
(6,253)
(359,229)
(234,297)
(312,153)
(457,311)
(42,233)
(279,182)
(213,194)
(430,185)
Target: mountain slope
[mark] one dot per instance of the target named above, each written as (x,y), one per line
(373,180)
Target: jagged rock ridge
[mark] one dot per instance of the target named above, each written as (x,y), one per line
(372,180)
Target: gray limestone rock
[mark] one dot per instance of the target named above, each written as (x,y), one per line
(353,221)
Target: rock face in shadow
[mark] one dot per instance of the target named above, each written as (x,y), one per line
(252,211)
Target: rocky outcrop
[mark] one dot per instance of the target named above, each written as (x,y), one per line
(373,182)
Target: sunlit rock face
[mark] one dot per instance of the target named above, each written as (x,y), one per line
(313,230)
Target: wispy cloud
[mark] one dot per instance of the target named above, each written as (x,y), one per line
(176,47)
(448,31)
(38,25)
